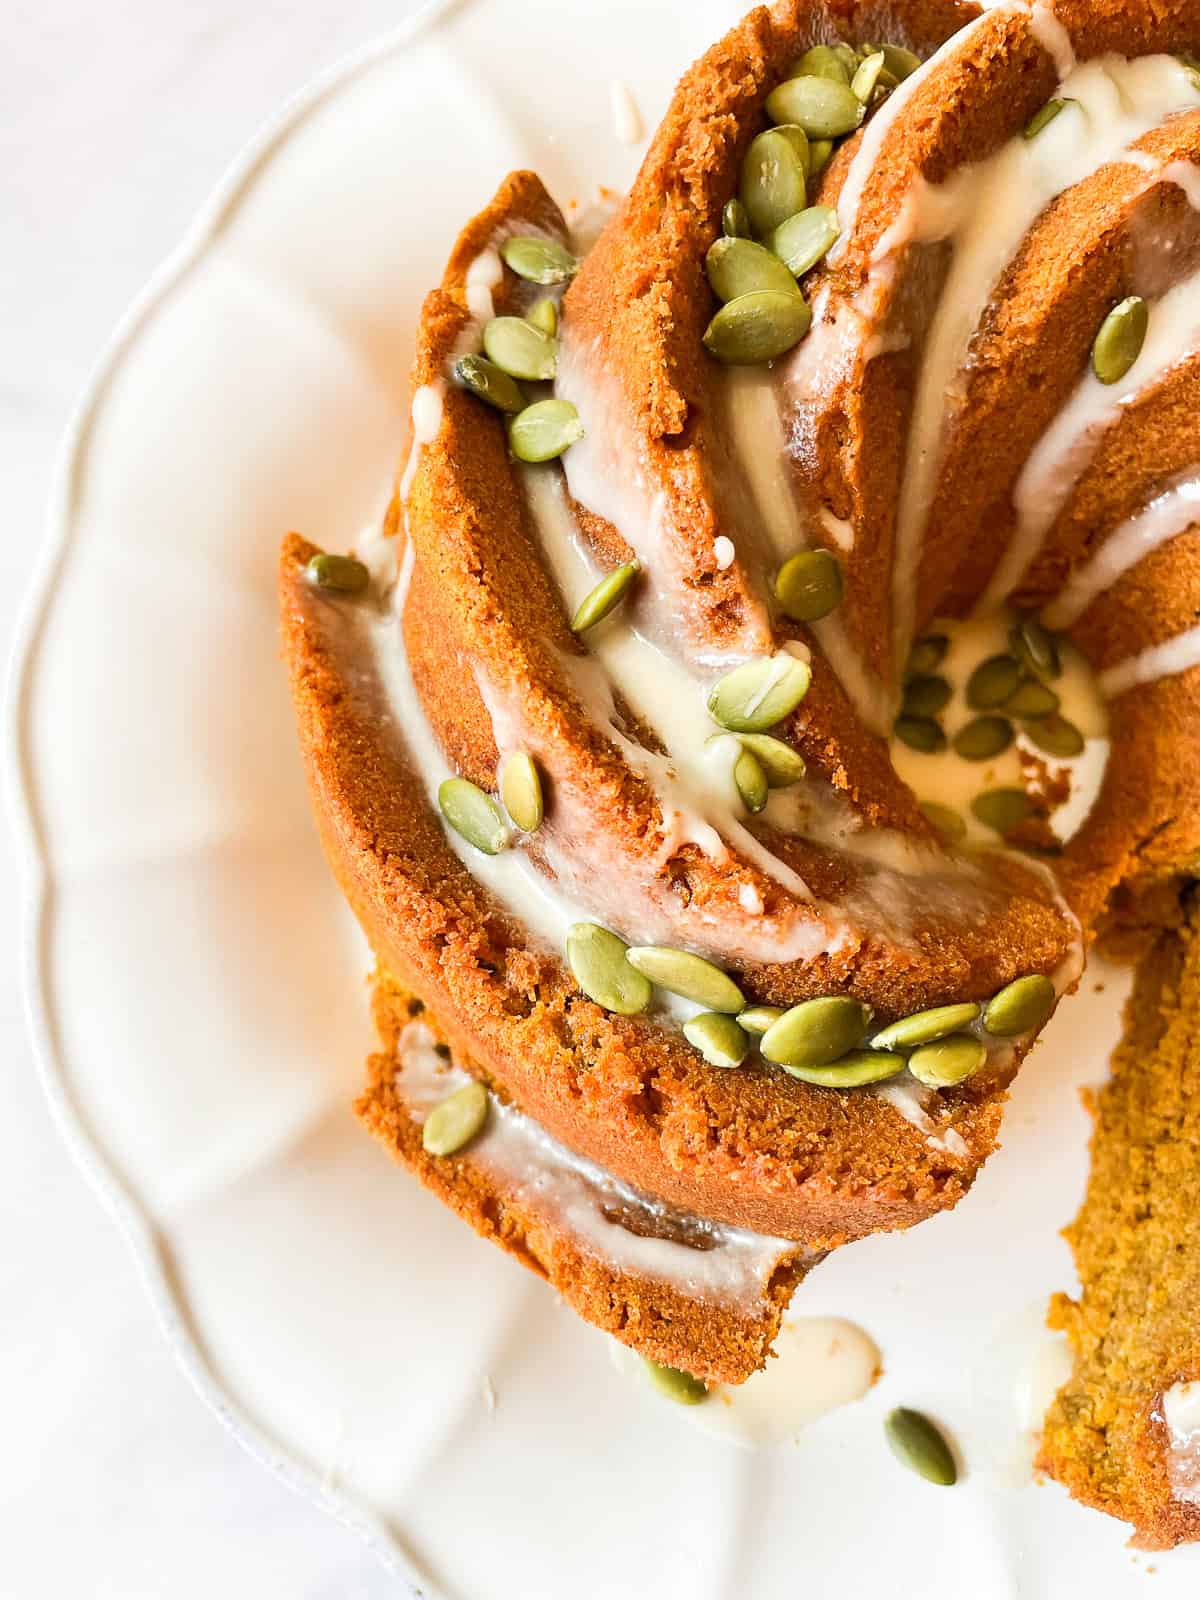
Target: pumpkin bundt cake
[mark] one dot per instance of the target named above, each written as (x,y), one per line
(674,738)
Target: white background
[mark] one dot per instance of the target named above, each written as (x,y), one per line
(116,122)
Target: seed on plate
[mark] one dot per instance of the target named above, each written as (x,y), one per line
(920,733)
(1035,647)
(597,959)
(485,379)
(917,1444)
(691,976)
(756,696)
(925,697)
(1002,809)
(983,737)
(599,602)
(1033,698)
(338,574)
(473,815)
(992,682)
(718,1038)
(927,655)
(1020,1007)
(539,260)
(1055,736)
(455,1121)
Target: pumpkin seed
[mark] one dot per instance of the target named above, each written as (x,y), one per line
(1035,648)
(798,139)
(542,431)
(1044,116)
(597,959)
(947,1061)
(1056,737)
(820,61)
(757,1019)
(735,221)
(539,260)
(947,821)
(680,972)
(816,1032)
(851,1070)
(718,1038)
(751,781)
(339,574)
(901,63)
(473,815)
(676,1385)
(543,314)
(848,56)
(782,765)
(802,240)
(485,379)
(521,791)
(927,655)
(739,266)
(918,1445)
(1032,699)
(455,1121)
(520,349)
(754,697)
(1001,809)
(925,697)
(923,1027)
(758,327)
(983,737)
(864,80)
(773,181)
(992,682)
(1119,342)
(819,152)
(1020,1007)
(809,585)
(920,733)
(824,107)
(605,597)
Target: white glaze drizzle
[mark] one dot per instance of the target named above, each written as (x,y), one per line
(1170,513)
(1053,37)
(1165,660)
(484,275)
(732,1264)
(626,118)
(1180,1412)
(912,1099)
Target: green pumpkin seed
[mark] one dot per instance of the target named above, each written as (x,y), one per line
(751,781)
(1001,809)
(485,379)
(539,260)
(901,63)
(927,655)
(947,822)
(521,791)
(599,602)
(864,80)
(802,240)
(1035,648)
(597,959)
(773,182)
(676,1385)
(520,349)
(851,1070)
(754,697)
(992,682)
(782,765)
(455,1121)
(809,585)
(1020,1007)
(798,140)
(718,1038)
(735,222)
(823,107)
(918,1445)
(821,61)
(473,815)
(947,1061)
(543,314)
(542,431)
(848,56)
(920,733)
(757,1019)
(1120,339)
(758,327)
(682,973)
(816,1032)
(1056,737)
(338,574)
(739,266)
(819,152)
(983,737)
(1032,699)
(925,697)
(1044,116)
(923,1027)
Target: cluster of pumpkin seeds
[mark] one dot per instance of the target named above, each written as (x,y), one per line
(771,236)
(474,814)
(748,701)
(519,350)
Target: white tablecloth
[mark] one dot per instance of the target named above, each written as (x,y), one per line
(116,121)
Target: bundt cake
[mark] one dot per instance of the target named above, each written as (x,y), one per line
(674,738)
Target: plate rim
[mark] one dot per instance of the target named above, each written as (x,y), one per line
(36,885)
